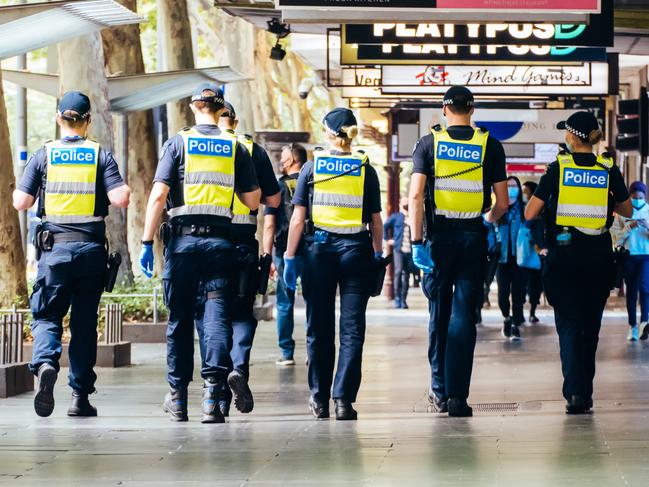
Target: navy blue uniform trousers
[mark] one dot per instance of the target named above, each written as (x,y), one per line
(348,263)
(578,280)
(193,265)
(71,275)
(454,291)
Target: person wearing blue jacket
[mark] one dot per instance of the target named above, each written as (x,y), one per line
(511,278)
(396,232)
(634,237)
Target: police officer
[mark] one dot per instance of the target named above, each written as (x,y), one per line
(244,231)
(74,180)
(293,157)
(200,171)
(579,191)
(339,194)
(455,169)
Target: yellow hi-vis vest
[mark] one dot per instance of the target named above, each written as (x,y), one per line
(459,186)
(208,186)
(583,194)
(338,199)
(242,215)
(70,190)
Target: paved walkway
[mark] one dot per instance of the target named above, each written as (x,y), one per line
(397,441)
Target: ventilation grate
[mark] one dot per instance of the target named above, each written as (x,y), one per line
(496,407)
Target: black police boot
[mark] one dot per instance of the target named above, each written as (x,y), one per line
(458,408)
(345,411)
(515,333)
(211,405)
(577,405)
(243,399)
(507,328)
(645,332)
(439,405)
(44,398)
(80,406)
(318,409)
(175,404)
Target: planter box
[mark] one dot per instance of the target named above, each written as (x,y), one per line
(15,379)
(144,332)
(114,355)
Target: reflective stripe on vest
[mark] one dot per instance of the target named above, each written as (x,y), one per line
(461,195)
(583,194)
(241,213)
(208,185)
(70,190)
(338,202)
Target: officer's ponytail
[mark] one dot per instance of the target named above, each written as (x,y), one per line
(595,137)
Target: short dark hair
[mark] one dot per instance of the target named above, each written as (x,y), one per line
(73,119)
(207,106)
(298,152)
(460,109)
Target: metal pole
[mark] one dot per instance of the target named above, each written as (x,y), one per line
(20,157)
(155,305)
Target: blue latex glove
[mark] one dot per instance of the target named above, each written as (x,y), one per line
(422,259)
(146,260)
(290,273)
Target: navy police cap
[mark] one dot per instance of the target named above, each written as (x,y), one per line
(580,124)
(458,96)
(74,101)
(229,111)
(338,118)
(217,98)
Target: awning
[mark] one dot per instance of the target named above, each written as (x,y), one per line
(26,27)
(135,92)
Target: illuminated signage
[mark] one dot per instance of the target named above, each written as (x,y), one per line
(578,6)
(584,79)
(353,54)
(598,33)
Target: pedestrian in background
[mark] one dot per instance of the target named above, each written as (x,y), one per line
(536,242)
(396,231)
(633,234)
(511,278)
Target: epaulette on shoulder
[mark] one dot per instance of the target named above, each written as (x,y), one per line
(318,149)
(484,130)
(185,129)
(608,155)
(437,128)
(48,141)
(563,152)
(248,136)
(360,151)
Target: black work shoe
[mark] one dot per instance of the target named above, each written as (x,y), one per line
(533,319)
(211,405)
(243,399)
(458,408)
(507,328)
(224,406)
(80,406)
(175,404)
(515,333)
(578,405)
(439,405)
(345,411)
(645,332)
(44,398)
(318,409)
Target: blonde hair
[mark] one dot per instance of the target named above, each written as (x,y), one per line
(349,132)
(595,136)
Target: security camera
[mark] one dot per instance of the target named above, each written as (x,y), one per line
(306,86)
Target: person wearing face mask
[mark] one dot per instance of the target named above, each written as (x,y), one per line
(293,157)
(511,278)
(633,235)
(580,191)
(534,276)
(396,232)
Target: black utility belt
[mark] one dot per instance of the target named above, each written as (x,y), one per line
(352,236)
(469,224)
(201,231)
(45,239)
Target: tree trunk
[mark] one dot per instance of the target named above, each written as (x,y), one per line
(123,55)
(81,67)
(13,280)
(178,54)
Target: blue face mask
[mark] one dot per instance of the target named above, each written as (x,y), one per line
(513,193)
(638,203)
